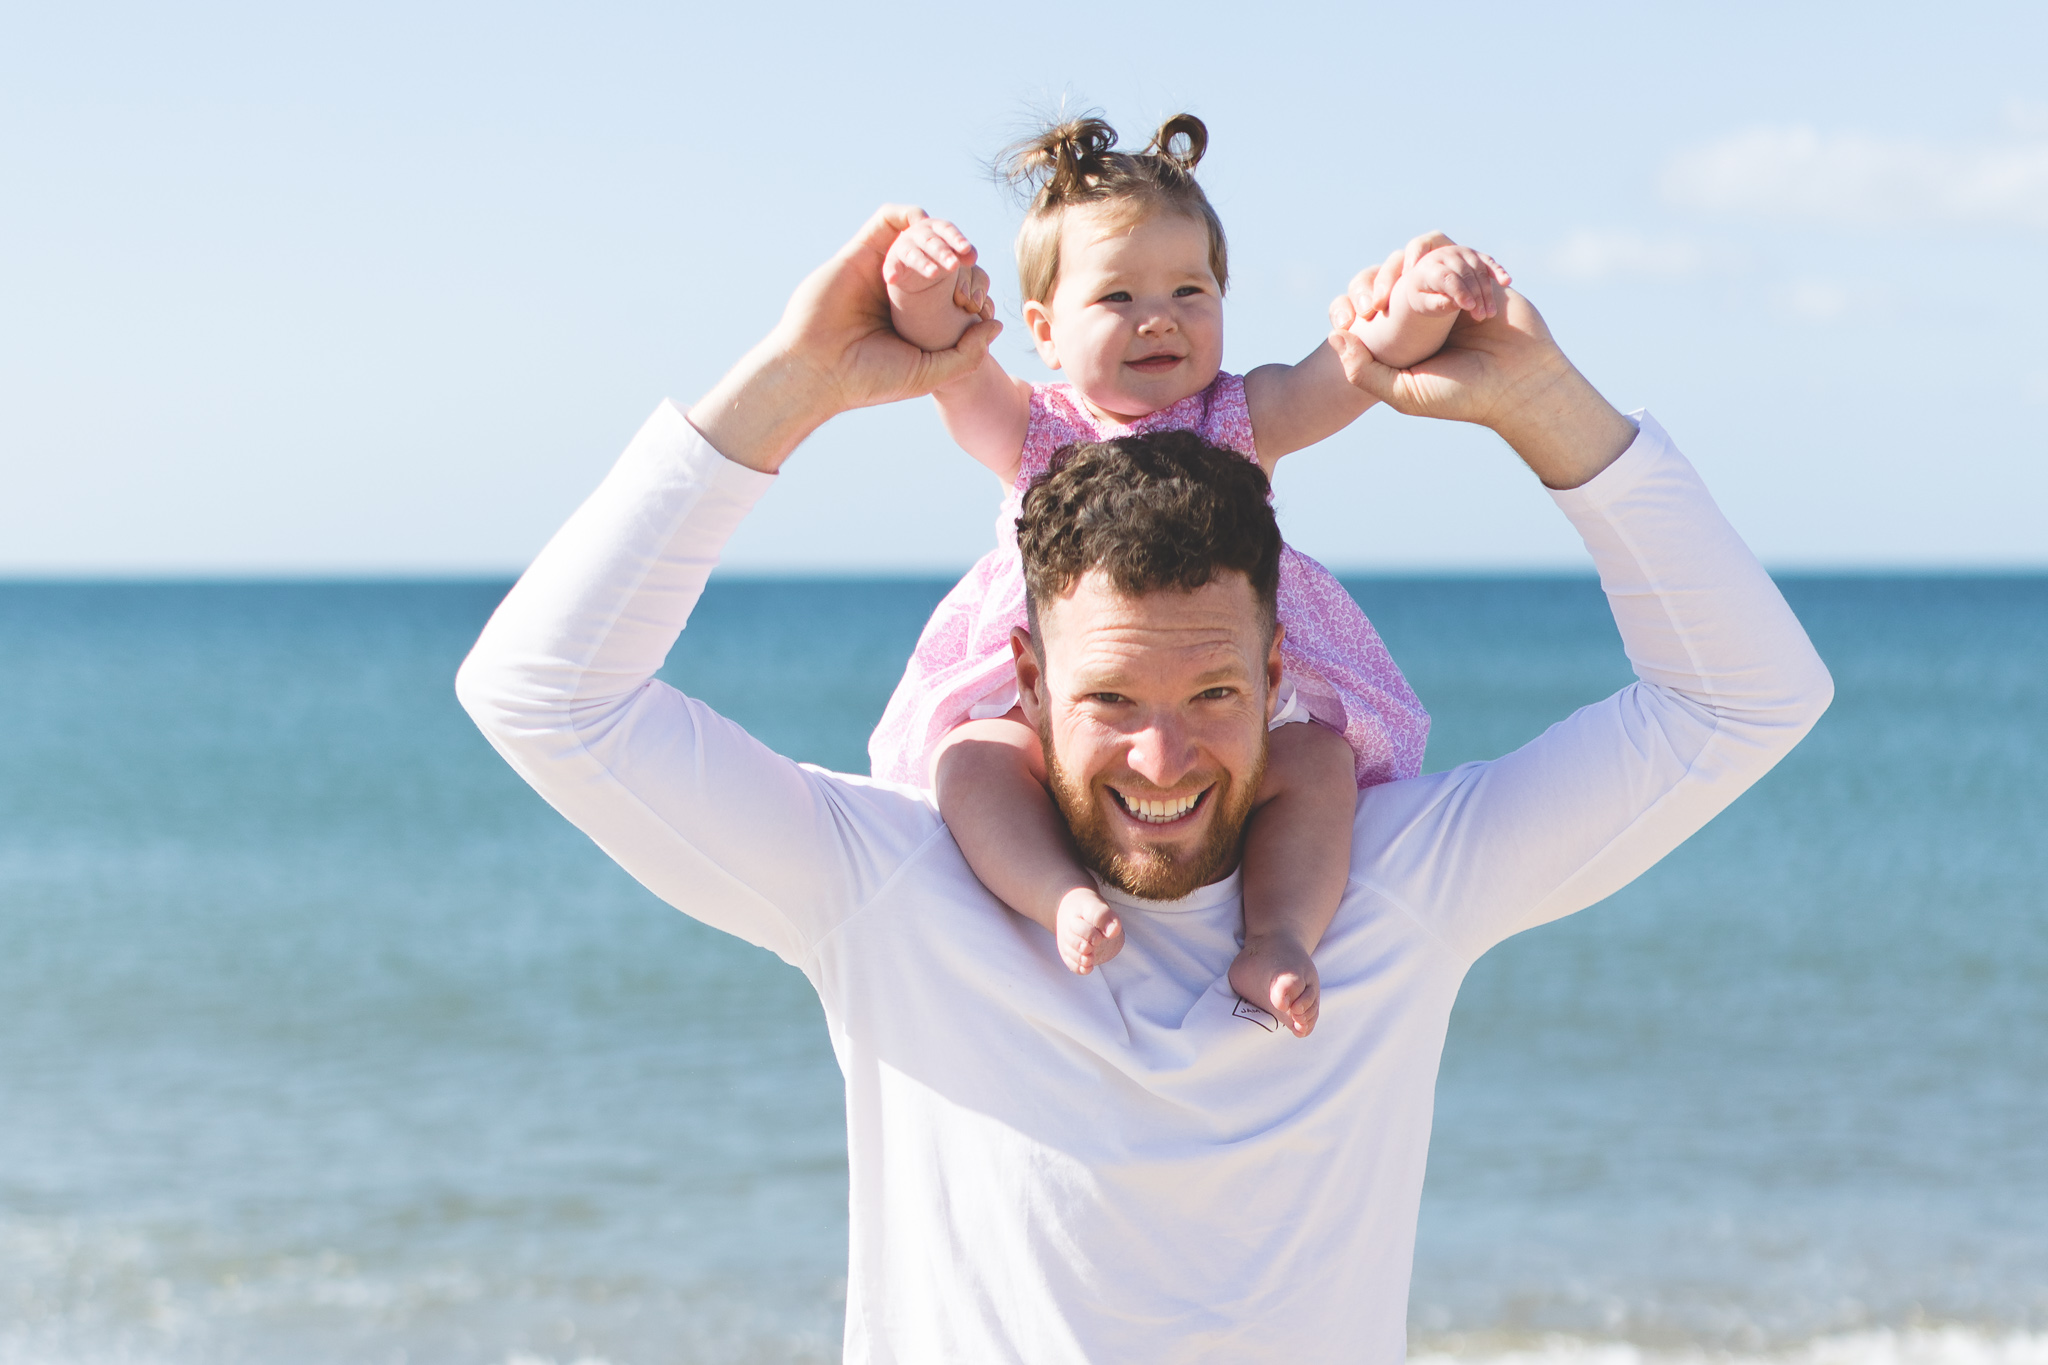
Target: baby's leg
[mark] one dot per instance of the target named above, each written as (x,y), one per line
(1297,858)
(989,776)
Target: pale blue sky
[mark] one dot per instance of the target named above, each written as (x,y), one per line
(384,288)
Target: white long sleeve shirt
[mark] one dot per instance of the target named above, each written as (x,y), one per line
(1128,1166)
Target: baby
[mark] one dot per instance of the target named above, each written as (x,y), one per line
(1122,265)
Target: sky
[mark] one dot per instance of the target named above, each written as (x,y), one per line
(383,288)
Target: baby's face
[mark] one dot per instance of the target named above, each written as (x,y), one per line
(1136,319)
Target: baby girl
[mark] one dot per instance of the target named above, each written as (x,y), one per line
(1122,265)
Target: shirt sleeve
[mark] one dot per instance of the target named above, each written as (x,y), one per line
(1727,684)
(562,684)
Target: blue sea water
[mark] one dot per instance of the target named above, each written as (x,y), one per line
(322,1039)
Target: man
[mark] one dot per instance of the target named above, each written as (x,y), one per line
(1130,1166)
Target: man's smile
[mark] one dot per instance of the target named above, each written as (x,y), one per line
(1155,810)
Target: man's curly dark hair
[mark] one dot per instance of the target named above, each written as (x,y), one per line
(1165,509)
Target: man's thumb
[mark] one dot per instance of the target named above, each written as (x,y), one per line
(943,367)
(1361,367)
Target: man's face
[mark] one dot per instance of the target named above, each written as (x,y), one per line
(1153,715)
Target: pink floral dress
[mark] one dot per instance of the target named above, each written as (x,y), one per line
(962,669)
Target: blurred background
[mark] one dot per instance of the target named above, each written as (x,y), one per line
(322,1039)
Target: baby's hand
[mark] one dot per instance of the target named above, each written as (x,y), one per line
(1404,310)
(1088,932)
(1459,278)
(936,291)
(1454,279)
(1276,973)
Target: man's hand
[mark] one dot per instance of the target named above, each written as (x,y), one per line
(1502,372)
(833,351)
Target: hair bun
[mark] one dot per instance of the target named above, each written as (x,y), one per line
(1061,161)
(1185,129)
(1074,163)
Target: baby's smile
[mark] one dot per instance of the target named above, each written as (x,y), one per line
(1159,362)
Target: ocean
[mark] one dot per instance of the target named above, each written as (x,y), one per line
(322,1039)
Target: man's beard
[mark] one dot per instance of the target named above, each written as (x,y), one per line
(1151,872)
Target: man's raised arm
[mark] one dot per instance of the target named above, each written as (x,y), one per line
(1728,682)
(561,681)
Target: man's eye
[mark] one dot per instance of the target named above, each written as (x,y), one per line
(1120,296)
(1105,698)
(1217,694)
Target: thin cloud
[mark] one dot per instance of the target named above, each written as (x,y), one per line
(1593,255)
(1855,178)
(1828,300)
(2028,118)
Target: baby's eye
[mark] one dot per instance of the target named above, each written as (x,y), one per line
(1186,290)
(1120,296)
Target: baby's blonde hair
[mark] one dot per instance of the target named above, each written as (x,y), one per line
(1075,163)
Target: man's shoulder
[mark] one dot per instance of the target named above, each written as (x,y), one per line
(874,802)
(1391,813)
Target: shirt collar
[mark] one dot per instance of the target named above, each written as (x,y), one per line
(1201,898)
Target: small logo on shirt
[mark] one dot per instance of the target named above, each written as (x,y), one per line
(1245,1009)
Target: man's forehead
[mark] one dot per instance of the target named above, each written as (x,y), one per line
(1222,614)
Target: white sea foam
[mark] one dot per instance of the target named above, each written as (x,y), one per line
(1949,1345)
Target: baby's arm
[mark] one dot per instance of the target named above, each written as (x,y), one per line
(989,777)
(936,292)
(1293,406)
(1297,859)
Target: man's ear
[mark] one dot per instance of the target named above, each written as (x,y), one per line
(1274,668)
(1030,678)
(1039,319)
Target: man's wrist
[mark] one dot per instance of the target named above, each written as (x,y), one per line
(763,409)
(1564,430)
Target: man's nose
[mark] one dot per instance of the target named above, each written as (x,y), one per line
(1162,750)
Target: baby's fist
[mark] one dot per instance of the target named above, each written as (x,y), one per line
(929,253)
(1453,279)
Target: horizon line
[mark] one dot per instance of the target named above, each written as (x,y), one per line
(771,574)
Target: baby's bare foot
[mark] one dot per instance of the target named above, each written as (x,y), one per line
(1089,933)
(1275,972)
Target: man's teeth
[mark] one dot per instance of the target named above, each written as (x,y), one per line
(1160,812)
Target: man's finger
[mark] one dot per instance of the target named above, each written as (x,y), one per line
(1421,246)
(883,227)
(1384,281)
(977,286)
(1359,291)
